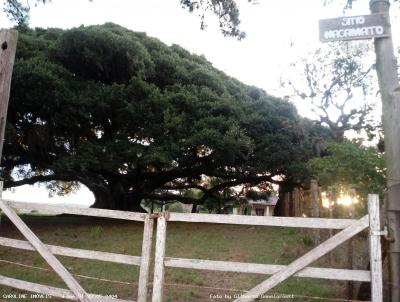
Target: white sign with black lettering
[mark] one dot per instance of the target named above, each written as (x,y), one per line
(354,28)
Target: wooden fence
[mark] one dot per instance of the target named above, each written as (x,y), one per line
(279,273)
(300,202)
(75,292)
(298,268)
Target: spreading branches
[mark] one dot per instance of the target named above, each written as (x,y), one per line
(18,12)
(35,179)
(226,11)
(337,84)
(209,188)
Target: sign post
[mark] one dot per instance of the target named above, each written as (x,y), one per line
(377,26)
(386,67)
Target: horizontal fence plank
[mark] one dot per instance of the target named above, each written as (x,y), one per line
(58,209)
(72,252)
(268,269)
(49,290)
(299,222)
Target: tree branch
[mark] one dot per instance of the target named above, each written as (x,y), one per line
(184,186)
(170,197)
(34,179)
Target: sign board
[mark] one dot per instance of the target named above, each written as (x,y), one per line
(354,28)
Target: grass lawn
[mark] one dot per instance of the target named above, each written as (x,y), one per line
(270,245)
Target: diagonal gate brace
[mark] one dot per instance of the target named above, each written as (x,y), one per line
(305,260)
(45,253)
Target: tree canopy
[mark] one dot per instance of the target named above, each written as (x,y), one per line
(348,164)
(336,83)
(133,119)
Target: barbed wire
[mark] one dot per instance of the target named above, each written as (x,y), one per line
(178,284)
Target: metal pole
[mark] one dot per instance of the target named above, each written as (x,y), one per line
(386,66)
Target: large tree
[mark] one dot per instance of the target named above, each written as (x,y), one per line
(134,119)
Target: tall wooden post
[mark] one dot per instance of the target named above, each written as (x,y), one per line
(296,202)
(386,67)
(301,202)
(315,207)
(8,45)
(286,204)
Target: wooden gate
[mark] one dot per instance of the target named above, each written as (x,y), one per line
(298,268)
(75,292)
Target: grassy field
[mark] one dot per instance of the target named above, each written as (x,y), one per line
(202,241)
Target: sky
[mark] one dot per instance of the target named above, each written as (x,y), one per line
(278,33)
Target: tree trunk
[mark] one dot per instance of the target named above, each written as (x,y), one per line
(284,188)
(115,197)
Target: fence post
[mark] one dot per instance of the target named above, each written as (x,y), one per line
(314,194)
(158,280)
(145,259)
(301,202)
(286,204)
(296,202)
(375,248)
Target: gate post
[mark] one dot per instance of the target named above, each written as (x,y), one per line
(375,248)
(8,45)
(158,280)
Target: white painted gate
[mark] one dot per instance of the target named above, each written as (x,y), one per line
(279,273)
(298,268)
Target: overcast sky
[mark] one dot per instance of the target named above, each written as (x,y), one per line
(278,32)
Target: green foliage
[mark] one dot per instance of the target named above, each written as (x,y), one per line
(255,195)
(17,12)
(176,207)
(226,11)
(350,164)
(126,115)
